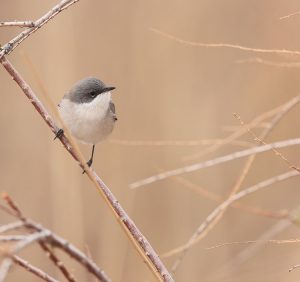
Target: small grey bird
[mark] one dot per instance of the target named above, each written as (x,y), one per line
(88,112)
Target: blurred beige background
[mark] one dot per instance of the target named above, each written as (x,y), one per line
(165,91)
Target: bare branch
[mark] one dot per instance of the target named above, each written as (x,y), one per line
(36,271)
(57,241)
(18,24)
(136,236)
(30,239)
(290,15)
(256,121)
(250,190)
(273,241)
(11,226)
(9,238)
(243,256)
(285,109)
(294,267)
(260,141)
(216,161)
(224,45)
(206,193)
(58,263)
(270,63)
(12,44)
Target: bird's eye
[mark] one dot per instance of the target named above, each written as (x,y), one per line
(93,94)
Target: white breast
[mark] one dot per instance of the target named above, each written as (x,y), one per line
(89,122)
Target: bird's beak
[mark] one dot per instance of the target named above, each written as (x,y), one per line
(107,89)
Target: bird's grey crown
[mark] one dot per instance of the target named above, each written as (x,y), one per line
(85,90)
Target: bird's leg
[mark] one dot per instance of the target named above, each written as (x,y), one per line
(59,133)
(89,163)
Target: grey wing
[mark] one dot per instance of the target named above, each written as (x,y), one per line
(113,109)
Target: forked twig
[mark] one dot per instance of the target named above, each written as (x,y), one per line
(12,44)
(250,190)
(44,236)
(220,212)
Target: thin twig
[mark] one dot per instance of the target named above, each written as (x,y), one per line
(273,241)
(217,217)
(57,262)
(63,244)
(12,44)
(250,190)
(36,271)
(238,133)
(30,239)
(18,23)
(224,45)
(11,226)
(270,63)
(256,121)
(216,161)
(260,141)
(294,267)
(217,198)
(290,15)
(244,255)
(11,238)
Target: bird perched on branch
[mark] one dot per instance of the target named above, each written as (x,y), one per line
(88,112)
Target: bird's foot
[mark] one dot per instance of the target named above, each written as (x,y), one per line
(89,163)
(59,134)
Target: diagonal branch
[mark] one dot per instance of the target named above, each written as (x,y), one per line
(250,190)
(12,44)
(216,161)
(135,235)
(30,239)
(36,271)
(55,241)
